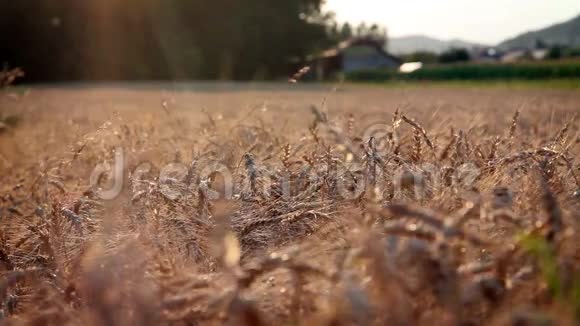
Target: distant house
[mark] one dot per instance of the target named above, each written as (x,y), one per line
(353,55)
(540,54)
(525,55)
(486,55)
(515,55)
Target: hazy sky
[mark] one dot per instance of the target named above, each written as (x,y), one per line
(486,21)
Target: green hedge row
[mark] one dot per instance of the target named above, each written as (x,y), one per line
(529,71)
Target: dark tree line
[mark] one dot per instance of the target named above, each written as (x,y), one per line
(160,39)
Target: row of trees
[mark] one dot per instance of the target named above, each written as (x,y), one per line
(562,52)
(463,55)
(449,56)
(164,39)
(557,51)
(340,32)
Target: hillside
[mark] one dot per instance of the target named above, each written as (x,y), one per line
(566,33)
(414,43)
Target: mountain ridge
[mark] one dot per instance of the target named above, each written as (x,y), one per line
(563,33)
(414,43)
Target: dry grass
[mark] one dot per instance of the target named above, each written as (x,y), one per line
(416,244)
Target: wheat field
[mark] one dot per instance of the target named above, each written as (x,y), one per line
(213,204)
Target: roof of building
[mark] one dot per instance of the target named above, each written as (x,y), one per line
(342,46)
